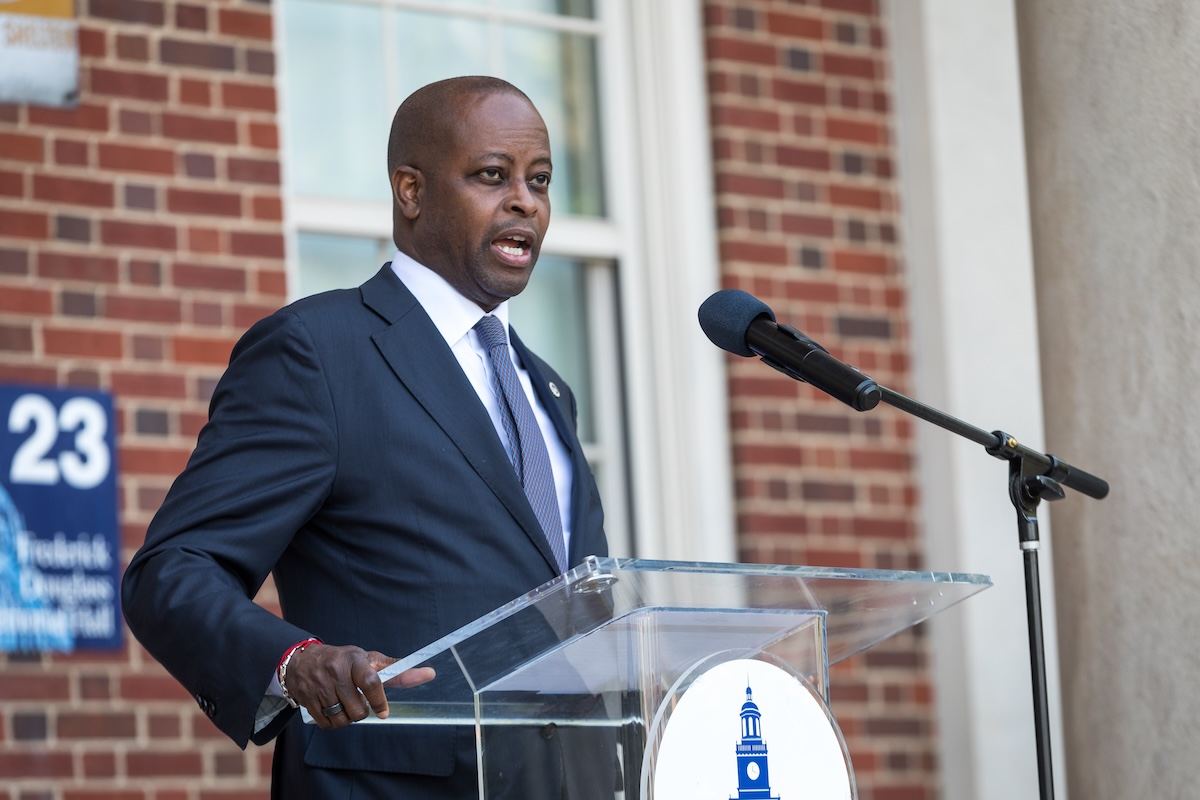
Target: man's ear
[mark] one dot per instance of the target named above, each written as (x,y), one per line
(408,184)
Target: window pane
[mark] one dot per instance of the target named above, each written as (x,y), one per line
(335,262)
(551,317)
(558,72)
(570,8)
(337,115)
(437,46)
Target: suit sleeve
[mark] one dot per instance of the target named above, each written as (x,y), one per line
(262,466)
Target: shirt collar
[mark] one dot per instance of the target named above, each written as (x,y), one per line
(453,314)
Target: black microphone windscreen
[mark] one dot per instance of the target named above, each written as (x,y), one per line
(726,316)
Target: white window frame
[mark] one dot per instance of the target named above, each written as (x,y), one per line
(678,395)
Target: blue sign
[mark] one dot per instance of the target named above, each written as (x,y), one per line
(59,541)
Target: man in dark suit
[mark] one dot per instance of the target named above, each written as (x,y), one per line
(357,449)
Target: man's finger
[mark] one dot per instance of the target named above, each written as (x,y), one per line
(316,711)
(336,714)
(413,677)
(378,660)
(405,680)
(367,680)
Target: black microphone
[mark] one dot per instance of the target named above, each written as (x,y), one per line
(741,323)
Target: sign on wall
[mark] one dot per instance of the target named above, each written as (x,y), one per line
(39,52)
(59,541)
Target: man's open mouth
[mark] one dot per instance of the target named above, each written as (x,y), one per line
(514,245)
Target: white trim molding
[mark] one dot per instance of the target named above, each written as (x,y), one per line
(678,398)
(975,355)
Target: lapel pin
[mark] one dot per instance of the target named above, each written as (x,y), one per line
(554,389)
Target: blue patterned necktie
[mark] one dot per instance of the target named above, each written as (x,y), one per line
(526,447)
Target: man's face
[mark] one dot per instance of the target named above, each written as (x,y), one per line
(484,205)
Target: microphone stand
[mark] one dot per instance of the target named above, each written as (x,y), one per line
(1032,477)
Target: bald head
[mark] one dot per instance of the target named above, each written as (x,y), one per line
(427,119)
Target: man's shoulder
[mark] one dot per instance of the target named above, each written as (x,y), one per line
(328,316)
(381,289)
(320,315)
(322,302)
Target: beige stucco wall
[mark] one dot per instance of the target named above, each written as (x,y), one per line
(1112,114)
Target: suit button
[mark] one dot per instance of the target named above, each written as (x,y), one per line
(206,706)
(548,731)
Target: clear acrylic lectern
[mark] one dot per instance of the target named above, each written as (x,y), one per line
(567,686)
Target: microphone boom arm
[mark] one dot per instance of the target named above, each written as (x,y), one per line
(1003,446)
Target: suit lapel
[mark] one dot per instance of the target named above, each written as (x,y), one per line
(557,406)
(424,363)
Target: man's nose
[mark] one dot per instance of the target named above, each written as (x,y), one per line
(521,200)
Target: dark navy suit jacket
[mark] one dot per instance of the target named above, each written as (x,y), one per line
(347,453)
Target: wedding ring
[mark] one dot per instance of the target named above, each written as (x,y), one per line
(333,710)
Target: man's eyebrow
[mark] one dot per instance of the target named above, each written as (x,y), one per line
(507,158)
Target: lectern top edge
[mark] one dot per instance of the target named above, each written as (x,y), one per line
(863,606)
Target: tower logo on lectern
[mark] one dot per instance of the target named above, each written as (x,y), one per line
(754,777)
(693,728)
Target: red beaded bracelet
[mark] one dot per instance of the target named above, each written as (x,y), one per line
(298,647)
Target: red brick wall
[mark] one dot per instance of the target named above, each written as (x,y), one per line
(140,234)
(808,219)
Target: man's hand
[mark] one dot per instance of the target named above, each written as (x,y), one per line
(346,680)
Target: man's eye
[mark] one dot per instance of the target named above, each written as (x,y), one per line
(491,173)
(541,180)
